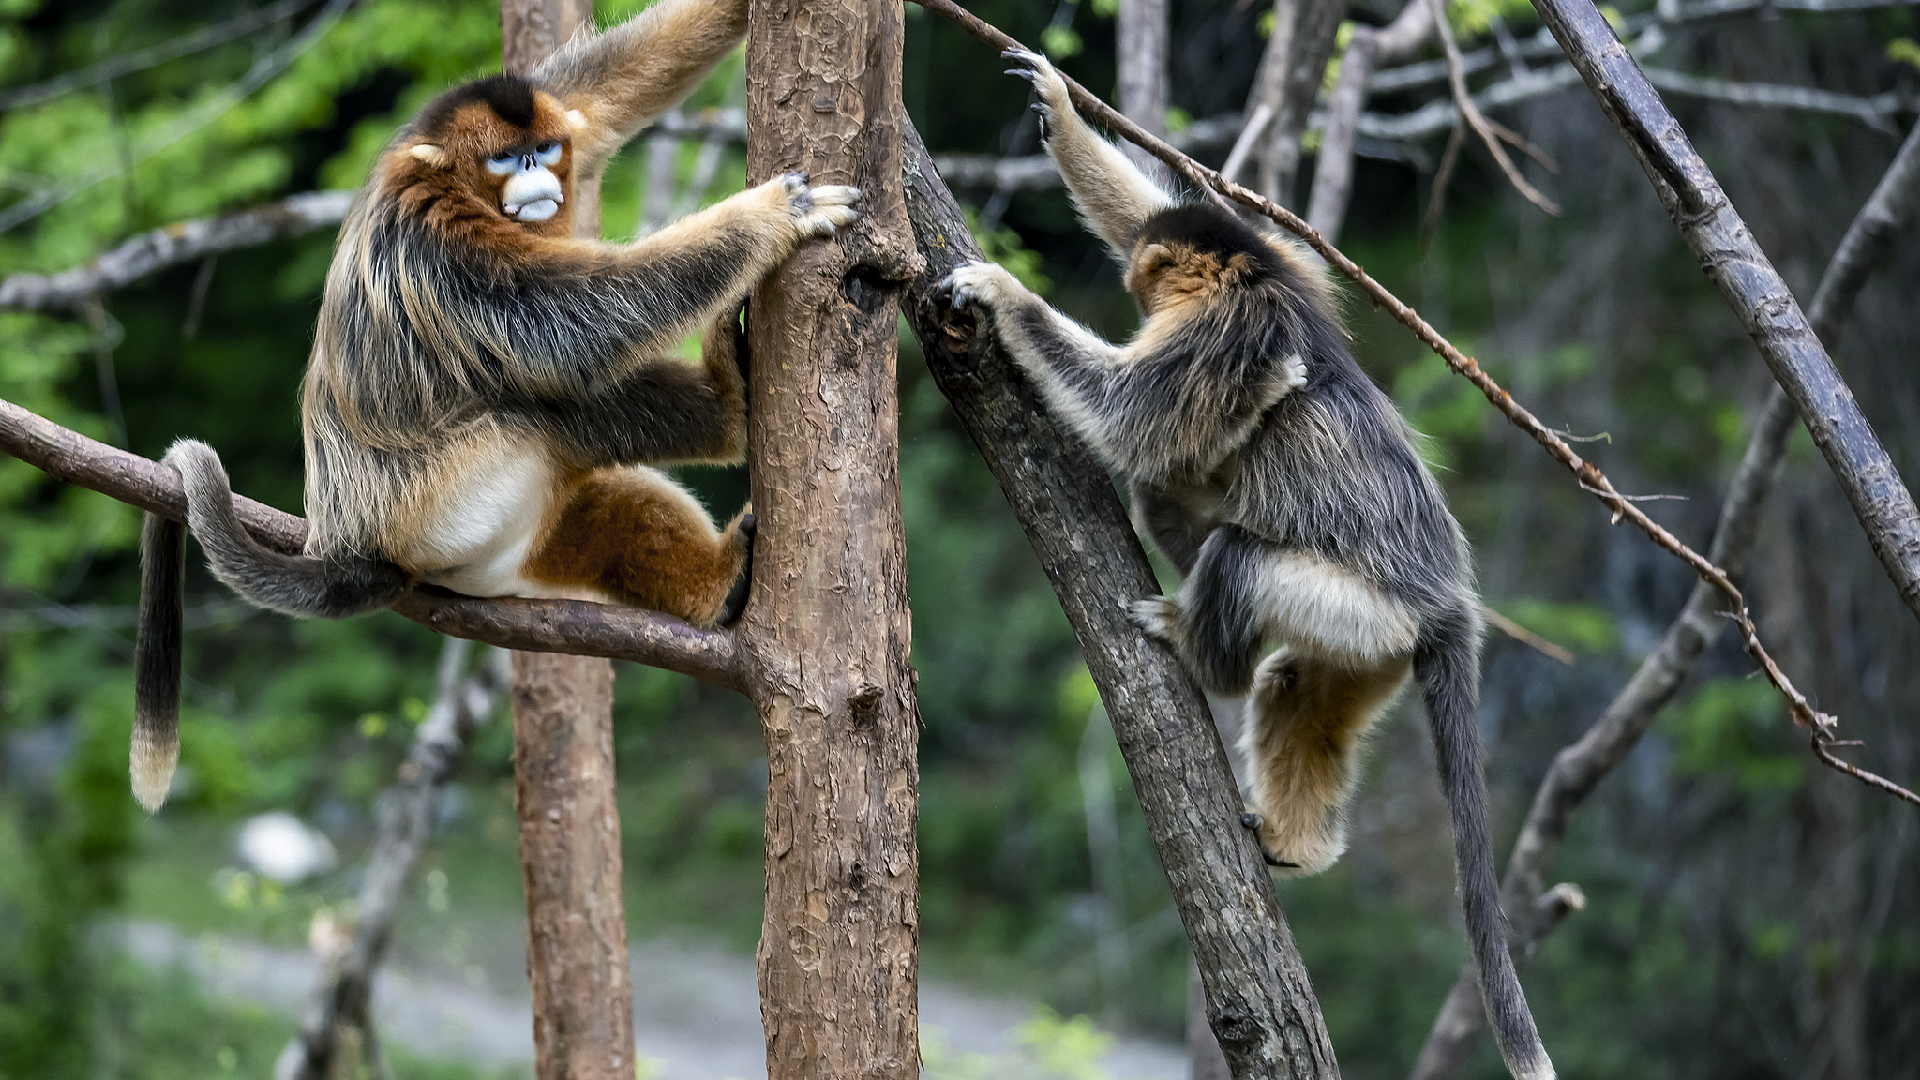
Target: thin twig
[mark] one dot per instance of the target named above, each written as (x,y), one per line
(1462,100)
(1525,636)
(216,106)
(205,38)
(1437,202)
(1461,364)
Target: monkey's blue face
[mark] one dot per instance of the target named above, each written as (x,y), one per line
(531,192)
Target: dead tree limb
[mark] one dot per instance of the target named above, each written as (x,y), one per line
(172,245)
(1577,769)
(1587,475)
(1304,33)
(1751,286)
(337,1036)
(1260,1002)
(1333,174)
(1457,79)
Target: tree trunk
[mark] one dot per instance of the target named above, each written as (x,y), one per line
(1259,1001)
(827,626)
(1142,61)
(563,764)
(1304,32)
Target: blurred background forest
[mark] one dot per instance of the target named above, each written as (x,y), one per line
(1749,914)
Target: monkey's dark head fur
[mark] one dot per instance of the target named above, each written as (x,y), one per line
(1198,252)
(509,96)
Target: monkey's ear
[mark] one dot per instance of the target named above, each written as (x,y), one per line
(1152,258)
(431,154)
(575,119)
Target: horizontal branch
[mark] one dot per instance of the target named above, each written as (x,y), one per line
(563,626)
(172,245)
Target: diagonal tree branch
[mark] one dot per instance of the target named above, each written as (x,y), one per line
(1578,769)
(1589,476)
(561,626)
(1751,286)
(171,245)
(1260,1002)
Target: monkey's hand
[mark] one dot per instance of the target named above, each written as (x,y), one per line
(1047,85)
(983,284)
(1293,374)
(1158,617)
(816,211)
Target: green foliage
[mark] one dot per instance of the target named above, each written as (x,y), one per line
(1470,17)
(1736,728)
(1581,626)
(1905,51)
(1050,1048)
(1061,42)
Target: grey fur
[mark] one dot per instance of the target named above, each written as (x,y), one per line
(1242,477)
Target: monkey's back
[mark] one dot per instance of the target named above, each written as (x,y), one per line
(1333,468)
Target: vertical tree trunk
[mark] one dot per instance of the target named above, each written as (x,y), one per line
(563,765)
(827,627)
(1303,38)
(1142,60)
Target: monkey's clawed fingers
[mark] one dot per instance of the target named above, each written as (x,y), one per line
(972,285)
(1039,71)
(1252,822)
(818,211)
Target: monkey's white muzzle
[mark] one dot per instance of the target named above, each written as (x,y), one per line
(531,195)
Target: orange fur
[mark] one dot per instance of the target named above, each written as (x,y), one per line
(641,539)
(452,188)
(1309,717)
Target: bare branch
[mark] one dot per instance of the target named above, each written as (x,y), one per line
(216,106)
(1259,999)
(205,38)
(1588,475)
(1304,33)
(1579,768)
(1525,636)
(1457,77)
(1333,174)
(562,626)
(176,244)
(1751,286)
(339,1010)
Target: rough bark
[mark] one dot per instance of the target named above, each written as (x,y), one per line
(1260,1001)
(563,762)
(570,864)
(1751,286)
(1579,768)
(827,625)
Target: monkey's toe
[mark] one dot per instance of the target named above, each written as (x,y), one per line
(1253,823)
(1156,616)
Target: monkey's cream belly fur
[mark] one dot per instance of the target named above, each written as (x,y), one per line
(476,541)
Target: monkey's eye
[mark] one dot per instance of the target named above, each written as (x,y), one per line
(547,153)
(504,162)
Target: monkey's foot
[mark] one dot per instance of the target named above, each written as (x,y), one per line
(979,284)
(1253,821)
(1158,617)
(736,602)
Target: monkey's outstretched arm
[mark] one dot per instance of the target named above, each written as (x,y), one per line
(1112,194)
(575,318)
(622,78)
(1172,402)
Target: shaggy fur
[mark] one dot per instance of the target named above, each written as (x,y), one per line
(1287,489)
(485,390)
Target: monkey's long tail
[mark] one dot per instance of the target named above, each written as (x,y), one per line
(1446,660)
(293,584)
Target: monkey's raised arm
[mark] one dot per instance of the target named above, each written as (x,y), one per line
(1113,196)
(622,78)
(1171,401)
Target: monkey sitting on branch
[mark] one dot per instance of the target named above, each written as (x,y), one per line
(1287,490)
(485,391)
